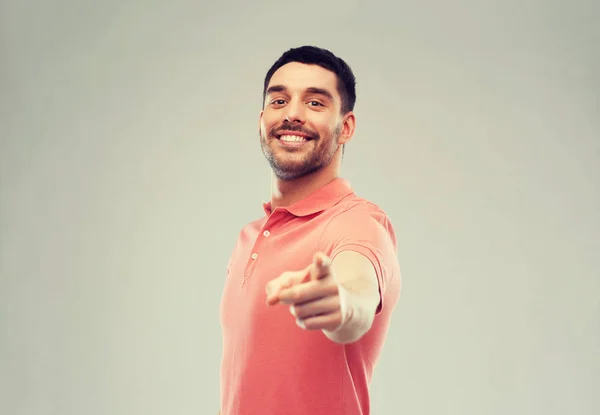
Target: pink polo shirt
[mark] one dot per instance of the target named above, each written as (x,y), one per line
(269,364)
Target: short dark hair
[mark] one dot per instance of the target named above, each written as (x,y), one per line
(313,55)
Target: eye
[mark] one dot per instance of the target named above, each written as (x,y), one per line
(315,104)
(278,102)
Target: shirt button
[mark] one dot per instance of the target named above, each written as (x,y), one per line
(266,233)
(254,256)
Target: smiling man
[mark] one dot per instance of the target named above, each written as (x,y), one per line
(311,286)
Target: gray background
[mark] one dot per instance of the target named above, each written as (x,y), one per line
(130,159)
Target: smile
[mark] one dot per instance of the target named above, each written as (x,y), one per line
(290,141)
(292,138)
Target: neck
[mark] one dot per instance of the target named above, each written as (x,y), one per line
(285,193)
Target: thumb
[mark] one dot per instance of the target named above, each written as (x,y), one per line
(321,266)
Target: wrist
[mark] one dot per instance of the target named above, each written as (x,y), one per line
(357,319)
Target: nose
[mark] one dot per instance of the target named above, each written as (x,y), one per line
(294,112)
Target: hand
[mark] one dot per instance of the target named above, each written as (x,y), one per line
(315,298)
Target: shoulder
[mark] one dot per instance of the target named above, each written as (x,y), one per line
(360,218)
(248,233)
(253,225)
(356,205)
(364,227)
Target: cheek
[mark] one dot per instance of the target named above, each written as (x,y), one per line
(327,124)
(267,123)
(264,128)
(328,130)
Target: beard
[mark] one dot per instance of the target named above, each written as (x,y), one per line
(288,164)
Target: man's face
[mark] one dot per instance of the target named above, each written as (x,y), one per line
(301,121)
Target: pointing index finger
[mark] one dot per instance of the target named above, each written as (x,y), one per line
(285,280)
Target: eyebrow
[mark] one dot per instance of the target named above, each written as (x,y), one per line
(310,90)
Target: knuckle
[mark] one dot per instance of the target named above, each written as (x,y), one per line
(300,311)
(335,289)
(295,294)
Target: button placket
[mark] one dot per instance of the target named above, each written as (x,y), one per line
(258,245)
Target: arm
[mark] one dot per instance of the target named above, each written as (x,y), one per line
(342,297)
(358,291)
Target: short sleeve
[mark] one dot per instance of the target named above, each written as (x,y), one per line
(366,229)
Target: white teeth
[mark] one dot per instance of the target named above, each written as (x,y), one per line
(292,138)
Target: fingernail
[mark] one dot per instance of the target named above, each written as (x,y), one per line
(300,323)
(293,310)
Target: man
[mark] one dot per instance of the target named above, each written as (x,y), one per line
(310,286)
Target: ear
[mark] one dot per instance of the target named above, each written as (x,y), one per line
(260,121)
(348,127)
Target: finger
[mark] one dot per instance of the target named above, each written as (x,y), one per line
(321,266)
(325,305)
(284,281)
(274,286)
(308,291)
(329,322)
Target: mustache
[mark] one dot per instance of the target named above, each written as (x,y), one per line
(295,128)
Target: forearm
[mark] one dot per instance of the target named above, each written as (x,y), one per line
(358,303)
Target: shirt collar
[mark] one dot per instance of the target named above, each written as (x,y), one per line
(321,199)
